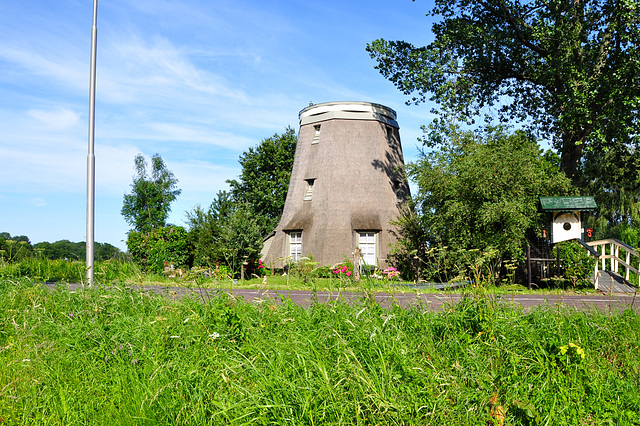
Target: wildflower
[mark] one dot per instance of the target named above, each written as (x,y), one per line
(572,348)
(134,361)
(214,335)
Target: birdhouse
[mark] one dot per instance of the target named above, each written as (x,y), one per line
(566,216)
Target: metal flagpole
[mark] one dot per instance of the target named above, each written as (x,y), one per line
(91,159)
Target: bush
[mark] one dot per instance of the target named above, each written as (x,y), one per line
(168,245)
(577,266)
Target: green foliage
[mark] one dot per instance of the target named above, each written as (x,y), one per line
(160,248)
(304,269)
(577,266)
(65,249)
(225,233)
(344,272)
(264,180)
(611,176)
(120,357)
(69,271)
(14,249)
(480,191)
(442,264)
(17,248)
(58,270)
(569,68)
(149,204)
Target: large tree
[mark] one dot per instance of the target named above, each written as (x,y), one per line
(479,190)
(149,204)
(264,180)
(570,68)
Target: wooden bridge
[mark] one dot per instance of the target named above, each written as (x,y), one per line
(614,263)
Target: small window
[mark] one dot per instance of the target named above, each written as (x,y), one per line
(367,245)
(316,134)
(295,245)
(390,138)
(308,192)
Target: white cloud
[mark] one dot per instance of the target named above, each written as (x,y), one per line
(64,69)
(38,202)
(57,119)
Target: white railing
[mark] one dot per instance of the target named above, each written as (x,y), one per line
(615,247)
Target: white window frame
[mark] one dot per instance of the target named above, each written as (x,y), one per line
(295,245)
(368,245)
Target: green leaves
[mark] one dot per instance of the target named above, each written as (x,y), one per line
(568,68)
(478,191)
(149,204)
(264,180)
(224,233)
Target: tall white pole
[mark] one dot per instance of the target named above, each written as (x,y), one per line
(91,159)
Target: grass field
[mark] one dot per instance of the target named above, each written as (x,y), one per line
(97,357)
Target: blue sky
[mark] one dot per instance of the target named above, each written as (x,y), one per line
(197,81)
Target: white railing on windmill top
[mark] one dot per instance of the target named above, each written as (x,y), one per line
(610,249)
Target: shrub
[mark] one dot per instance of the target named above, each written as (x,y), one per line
(577,266)
(169,244)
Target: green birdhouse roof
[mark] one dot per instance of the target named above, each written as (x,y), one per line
(556,204)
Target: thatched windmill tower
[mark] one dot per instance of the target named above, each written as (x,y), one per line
(346,186)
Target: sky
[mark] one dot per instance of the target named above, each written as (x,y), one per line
(196,81)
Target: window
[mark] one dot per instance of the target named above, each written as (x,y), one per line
(367,245)
(295,245)
(391,141)
(308,192)
(316,134)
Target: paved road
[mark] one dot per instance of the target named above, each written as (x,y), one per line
(437,301)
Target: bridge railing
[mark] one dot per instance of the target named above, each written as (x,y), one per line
(618,254)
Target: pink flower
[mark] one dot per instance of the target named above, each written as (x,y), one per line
(348,273)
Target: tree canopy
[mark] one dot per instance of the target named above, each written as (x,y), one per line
(236,221)
(264,180)
(148,205)
(571,69)
(480,190)
(224,233)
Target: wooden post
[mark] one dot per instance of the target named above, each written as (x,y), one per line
(356,264)
(558,262)
(529,266)
(628,265)
(242,265)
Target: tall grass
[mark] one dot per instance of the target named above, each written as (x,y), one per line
(98,357)
(69,271)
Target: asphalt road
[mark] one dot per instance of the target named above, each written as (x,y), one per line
(432,301)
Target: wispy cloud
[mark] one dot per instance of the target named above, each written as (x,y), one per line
(57,119)
(38,202)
